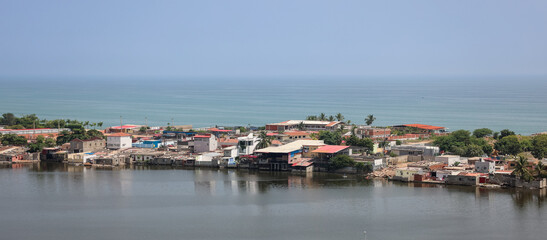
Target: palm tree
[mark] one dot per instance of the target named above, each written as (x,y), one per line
(539,169)
(370,119)
(311,117)
(521,169)
(339,117)
(301,126)
(265,140)
(322,117)
(331,118)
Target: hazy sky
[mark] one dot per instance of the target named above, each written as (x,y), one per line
(272,38)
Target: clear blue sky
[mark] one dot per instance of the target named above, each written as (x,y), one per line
(272,38)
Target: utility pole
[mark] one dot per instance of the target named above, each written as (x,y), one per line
(146,121)
(121,125)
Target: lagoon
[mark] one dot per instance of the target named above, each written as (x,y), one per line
(58,201)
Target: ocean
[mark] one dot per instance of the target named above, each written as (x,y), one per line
(516,103)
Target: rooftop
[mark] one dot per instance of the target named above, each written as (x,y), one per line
(119,135)
(330,149)
(307,122)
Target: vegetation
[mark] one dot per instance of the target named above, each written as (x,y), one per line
(13,139)
(521,169)
(32,121)
(369,119)
(78,132)
(365,142)
(265,140)
(331,138)
(40,143)
(482,132)
(539,146)
(510,144)
(461,142)
(341,161)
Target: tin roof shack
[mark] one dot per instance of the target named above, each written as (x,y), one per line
(88,145)
(406,174)
(205,143)
(209,159)
(280,158)
(485,166)
(110,160)
(247,145)
(466,179)
(17,154)
(79,158)
(53,155)
(303,165)
(326,153)
(143,157)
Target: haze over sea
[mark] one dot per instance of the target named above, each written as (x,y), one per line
(517,103)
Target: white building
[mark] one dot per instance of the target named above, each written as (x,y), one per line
(118,141)
(485,166)
(205,143)
(449,160)
(246,145)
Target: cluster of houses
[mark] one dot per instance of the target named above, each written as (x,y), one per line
(293,147)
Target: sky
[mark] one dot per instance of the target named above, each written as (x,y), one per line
(240,38)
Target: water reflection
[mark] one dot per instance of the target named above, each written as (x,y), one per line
(119,181)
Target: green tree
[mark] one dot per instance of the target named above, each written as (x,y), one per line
(331,118)
(482,132)
(13,139)
(505,133)
(472,150)
(370,119)
(341,161)
(509,145)
(540,170)
(331,138)
(539,146)
(8,119)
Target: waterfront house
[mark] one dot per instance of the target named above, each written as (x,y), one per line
(88,145)
(118,141)
(247,145)
(279,158)
(325,153)
(467,179)
(208,159)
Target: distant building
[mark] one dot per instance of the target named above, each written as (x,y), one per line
(205,143)
(415,150)
(88,145)
(118,141)
(449,160)
(370,132)
(305,125)
(420,128)
(35,132)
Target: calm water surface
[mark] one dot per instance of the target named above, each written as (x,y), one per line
(64,202)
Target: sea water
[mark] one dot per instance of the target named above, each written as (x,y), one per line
(516,103)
